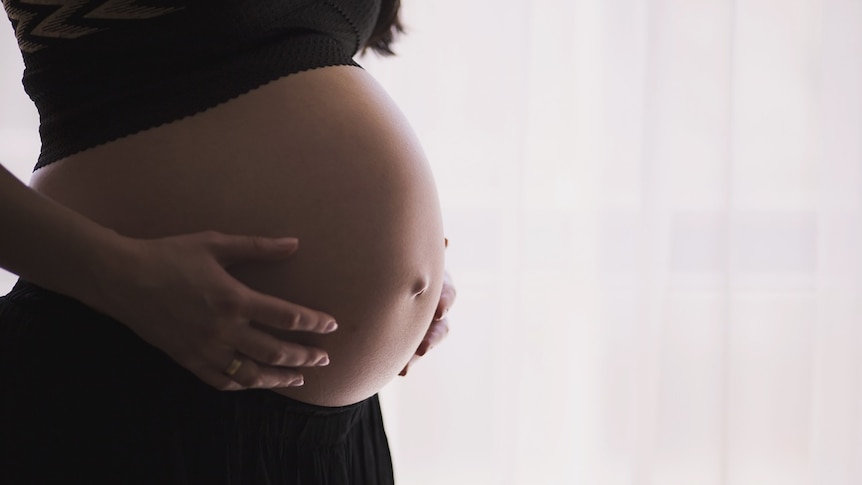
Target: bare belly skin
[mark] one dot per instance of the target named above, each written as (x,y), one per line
(322,155)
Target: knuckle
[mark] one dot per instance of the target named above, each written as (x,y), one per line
(293,321)
(221,384)
(298,359)
(257,381)
(251,379)
(290,377)
(291,359)
(213,237)
(244,380)
(215,381)
(229,302)
(258,243)
(213,332)
(274,356)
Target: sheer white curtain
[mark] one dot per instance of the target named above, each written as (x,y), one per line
(655,220)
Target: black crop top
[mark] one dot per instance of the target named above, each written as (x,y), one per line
(99,70)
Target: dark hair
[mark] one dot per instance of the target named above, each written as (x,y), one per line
(388,26)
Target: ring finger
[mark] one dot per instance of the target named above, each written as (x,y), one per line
(253,375)
(268,350)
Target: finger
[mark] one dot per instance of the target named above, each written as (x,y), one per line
(435,334)
(442,309)
(252,375)
(437,331)
(413,360)
(266,349)
(230,249)
(218,380)
(283,314)
(447,298)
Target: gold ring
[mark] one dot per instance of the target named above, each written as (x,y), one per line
(233,367)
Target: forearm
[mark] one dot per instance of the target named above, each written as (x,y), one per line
(51,245)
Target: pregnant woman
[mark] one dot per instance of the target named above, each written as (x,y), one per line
(167,127)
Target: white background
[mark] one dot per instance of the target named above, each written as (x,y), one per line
(655,219)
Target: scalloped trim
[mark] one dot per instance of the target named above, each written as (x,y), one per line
(195,111)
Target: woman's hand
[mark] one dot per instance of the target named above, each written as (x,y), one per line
(439,325)
(176,294)
(173,292)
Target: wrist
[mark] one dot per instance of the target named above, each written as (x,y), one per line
(106,260)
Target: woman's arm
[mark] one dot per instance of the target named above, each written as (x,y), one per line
(173,292)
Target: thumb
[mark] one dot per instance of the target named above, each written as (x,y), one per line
(235,249)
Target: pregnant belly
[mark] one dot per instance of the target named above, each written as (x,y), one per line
(323,155)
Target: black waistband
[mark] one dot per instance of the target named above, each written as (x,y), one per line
(29,305)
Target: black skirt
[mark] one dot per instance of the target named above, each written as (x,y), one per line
(84,400)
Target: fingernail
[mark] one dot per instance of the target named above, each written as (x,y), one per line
(323,361)
(330,327)
(297,382)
